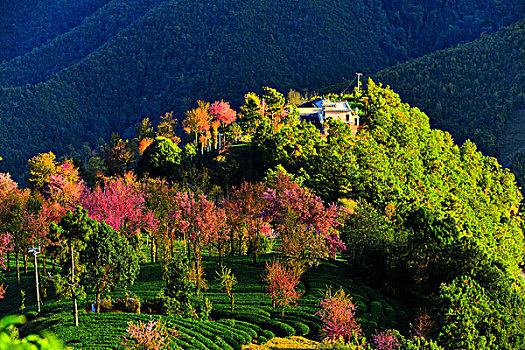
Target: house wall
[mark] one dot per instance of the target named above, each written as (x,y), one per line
(345,117)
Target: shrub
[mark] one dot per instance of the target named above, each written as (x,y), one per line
(385,341)
(106,304)
(149,336)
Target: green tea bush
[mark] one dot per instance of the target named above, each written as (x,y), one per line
(390,319)
(195,338)
(31,315)
(313,326)
(279,328)
(253,310)
(300,328)
(236,328)
(268,334)
(252,318)
(376,310)
(236,335)
(262,340)
(205,330)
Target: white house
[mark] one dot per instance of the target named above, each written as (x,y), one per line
(318,110)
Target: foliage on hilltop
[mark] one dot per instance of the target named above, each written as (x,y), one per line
(99,66)
(427,215)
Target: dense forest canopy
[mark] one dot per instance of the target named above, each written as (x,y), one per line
(100,66)
(474,91)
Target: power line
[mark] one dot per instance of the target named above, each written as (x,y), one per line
(342,93)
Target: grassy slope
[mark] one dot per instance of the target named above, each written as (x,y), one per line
(99,331)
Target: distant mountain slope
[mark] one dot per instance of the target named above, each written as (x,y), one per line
(25,24)
(470,90)
(40,63)
(111,63)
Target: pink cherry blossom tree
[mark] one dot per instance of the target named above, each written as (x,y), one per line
(307,227)
(153,335)
(202,224)
(120,202)
(281,283)
(338,316)
(222,115)
(222,112)
(5,246)
(245,210)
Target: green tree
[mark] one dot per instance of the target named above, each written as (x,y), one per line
(160,159)
(227,280)
(41,167)
(181,298)
(468,313)
(108,260)
(71,235)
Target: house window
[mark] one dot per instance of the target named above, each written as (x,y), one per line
(348,117)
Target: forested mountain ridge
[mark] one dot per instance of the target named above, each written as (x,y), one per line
(471,90)
(114,62)
(26,24)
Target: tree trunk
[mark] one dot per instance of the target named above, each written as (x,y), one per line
(73,293)
(18,267)
(43,285)
(232,248)
(220,256)
(151,250)
(198,269)
(75,309)
(282,313)
(197,279)
(255,255)
(99,293)
(25,264)
(231,299)
(188,249)
(8,261)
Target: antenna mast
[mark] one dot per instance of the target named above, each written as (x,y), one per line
(358,76)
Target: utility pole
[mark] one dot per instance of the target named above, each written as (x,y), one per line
(35,252)
(358,76)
